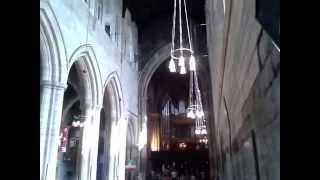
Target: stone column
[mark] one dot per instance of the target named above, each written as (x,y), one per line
(51,104)
(95,142)
(89,145)
(83,170)
(112,150)
(122,148)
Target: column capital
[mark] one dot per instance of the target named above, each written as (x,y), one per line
(53,85)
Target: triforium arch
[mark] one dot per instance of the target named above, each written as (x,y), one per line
(53,78)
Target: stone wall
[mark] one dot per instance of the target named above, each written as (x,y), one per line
(245,73)
(73,17)
(82,23)
(154,37)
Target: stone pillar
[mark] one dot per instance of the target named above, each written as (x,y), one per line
(112,152)
(85,148)
(89,145)
(122,149)
(95,142)
(51,104)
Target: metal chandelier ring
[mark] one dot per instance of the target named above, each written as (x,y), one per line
(193,107)
(176,53)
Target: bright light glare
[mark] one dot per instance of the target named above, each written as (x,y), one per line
(181,61)
(172,66)
(183,70)
(192,63)
(143,137)
(224,7)
(199,113)
(203,131)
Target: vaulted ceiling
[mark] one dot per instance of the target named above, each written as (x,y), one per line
(145,12)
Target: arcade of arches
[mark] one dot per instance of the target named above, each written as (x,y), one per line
(106,90)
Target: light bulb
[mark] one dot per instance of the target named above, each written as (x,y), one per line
(183,70)
(172,69)
(172,66)
(192,116)
(197,131)
(181,61)
(199,113)
(192,63)
(203,131)
(189,114)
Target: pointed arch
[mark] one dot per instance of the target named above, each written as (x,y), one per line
(53,57)
(149,69)
(113,102)
(113,81)
(53,81)
(93,83)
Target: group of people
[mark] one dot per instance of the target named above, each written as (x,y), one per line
(178,172)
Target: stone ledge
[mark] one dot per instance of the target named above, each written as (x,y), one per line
(53,85)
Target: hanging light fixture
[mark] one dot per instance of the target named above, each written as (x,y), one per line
(192,63)
(181,53)
(204,140)
(181,61)
(195,108)
(172,66)
(183,70)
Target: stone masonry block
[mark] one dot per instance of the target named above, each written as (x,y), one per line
(266,77)
(265,47)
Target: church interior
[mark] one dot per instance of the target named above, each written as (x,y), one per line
(159,90)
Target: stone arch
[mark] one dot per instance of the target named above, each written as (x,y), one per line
(53,78)
(85,58)
(133,127)
(132,152)
(115,88)
(86,63)
(130,132)
(52,49)
(160,56)
(146,74)
(111,114)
